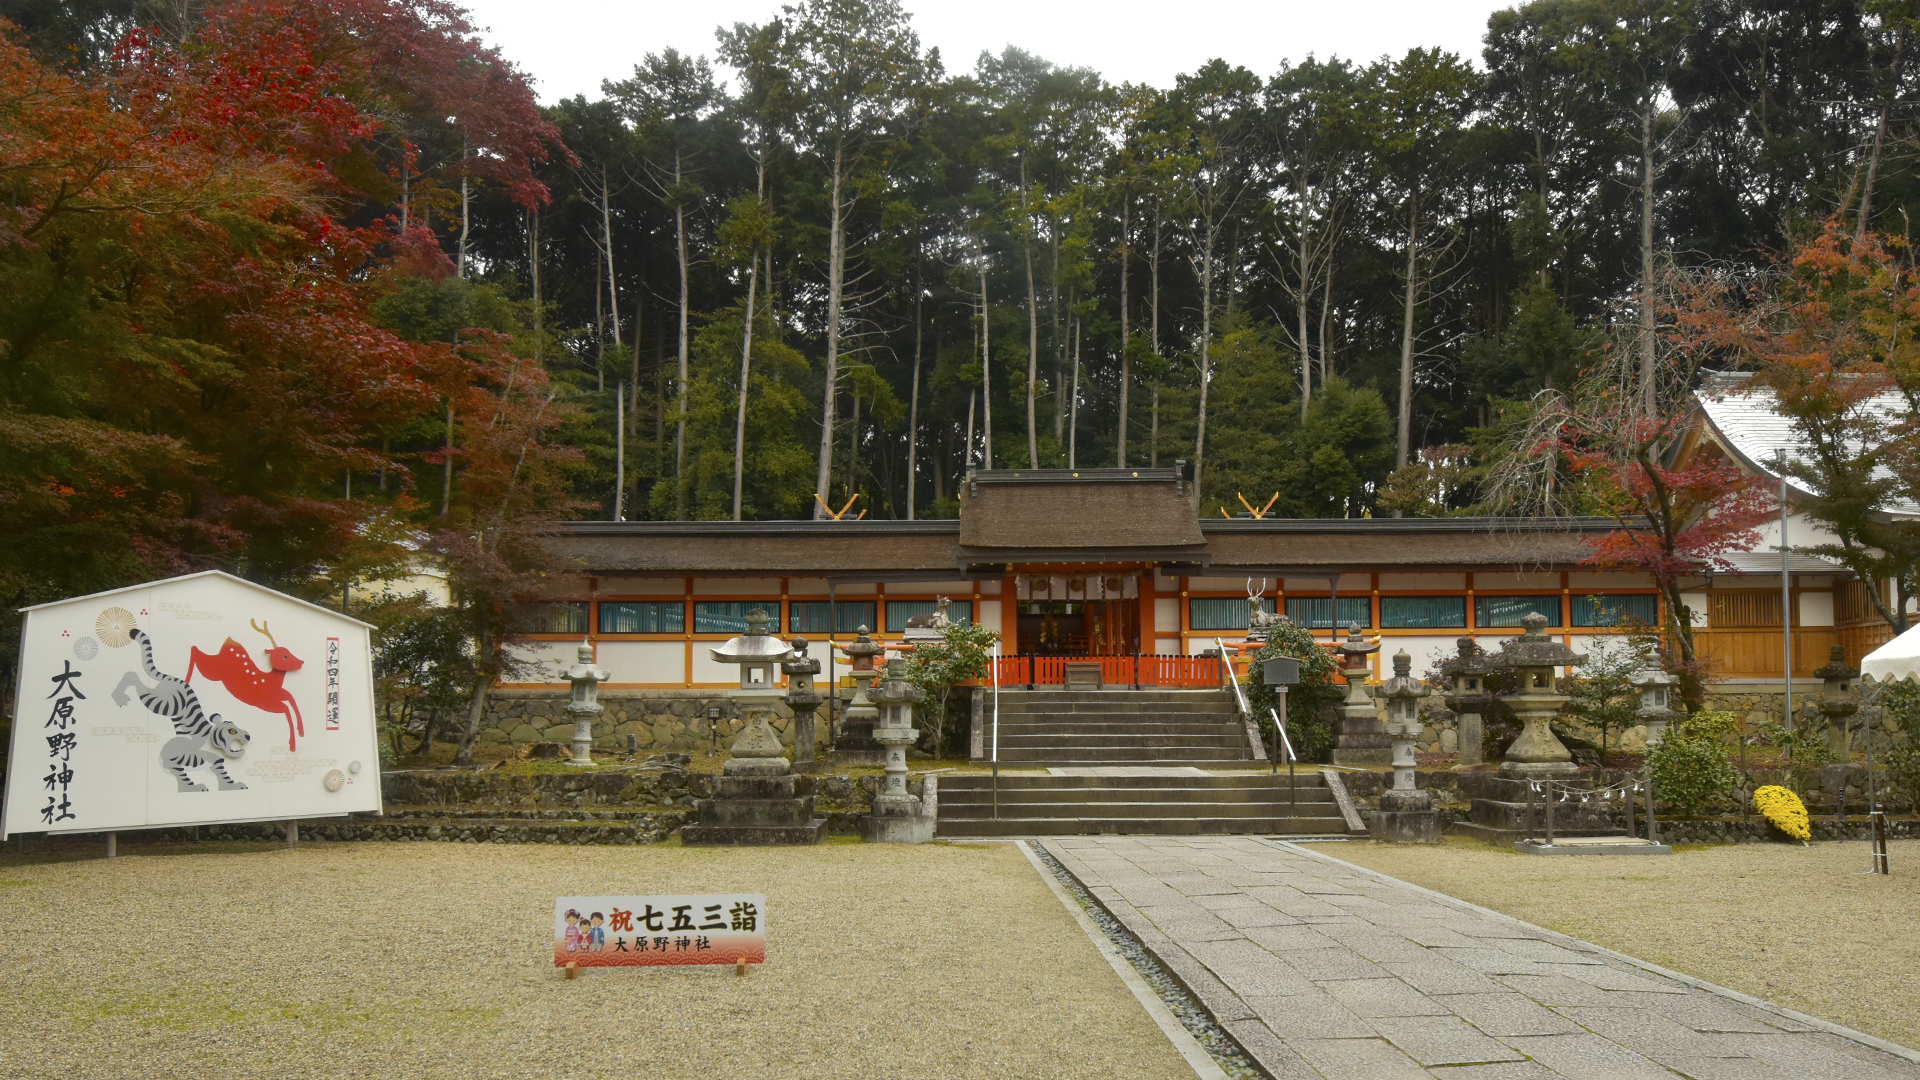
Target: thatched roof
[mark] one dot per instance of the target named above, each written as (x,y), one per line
(1412,543)
(1066,512)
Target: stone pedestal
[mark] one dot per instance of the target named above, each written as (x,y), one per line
(760,800)
(1498,811)
(1405,817)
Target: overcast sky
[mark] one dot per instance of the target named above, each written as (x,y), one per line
(568,46)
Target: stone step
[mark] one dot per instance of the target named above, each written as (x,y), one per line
(1055,708)
(1131,754)
(1267,806)
(1115,826)
(1178,781)
(1219,736)
(1131,727)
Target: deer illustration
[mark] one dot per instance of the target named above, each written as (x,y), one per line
(234,669)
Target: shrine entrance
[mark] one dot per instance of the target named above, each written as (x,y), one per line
(1091,613)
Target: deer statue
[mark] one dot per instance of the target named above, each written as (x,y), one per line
(234,669)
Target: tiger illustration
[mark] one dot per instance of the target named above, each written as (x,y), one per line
(203,741)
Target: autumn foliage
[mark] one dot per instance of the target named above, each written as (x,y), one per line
(191,237)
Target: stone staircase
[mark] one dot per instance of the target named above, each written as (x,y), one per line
(1118,727)
(1165,804)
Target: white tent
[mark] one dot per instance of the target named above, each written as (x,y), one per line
(1897,659)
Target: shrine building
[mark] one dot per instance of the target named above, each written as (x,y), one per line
(1113,564)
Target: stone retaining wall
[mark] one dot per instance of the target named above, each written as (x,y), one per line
(659,720)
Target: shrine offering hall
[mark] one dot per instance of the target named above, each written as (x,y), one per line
(1113,565)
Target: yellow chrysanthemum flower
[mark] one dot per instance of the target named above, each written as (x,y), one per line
(1784,810)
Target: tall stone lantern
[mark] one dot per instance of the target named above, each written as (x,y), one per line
(897,816)
(1467,695)
(584,702)
(1837,702)
(758,799)
(1406,814)
(854,743)
(803,699)
(1655,687)
(1363,741)
(759,655)
(1537,753)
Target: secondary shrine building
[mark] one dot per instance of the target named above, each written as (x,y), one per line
(1113,563)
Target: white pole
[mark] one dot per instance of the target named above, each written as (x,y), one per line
(996,730)
(620,454)
(1786,608)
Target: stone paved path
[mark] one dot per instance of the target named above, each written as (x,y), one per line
(1322,969)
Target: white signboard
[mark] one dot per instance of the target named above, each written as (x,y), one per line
(190,701)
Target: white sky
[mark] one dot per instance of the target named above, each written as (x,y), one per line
(568,46)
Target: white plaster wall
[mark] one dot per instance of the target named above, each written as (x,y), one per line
(988,614)
(1816,609)
(1166,614)
(1166,646)
(643,661)
(806,586)
(552,657)
(1697,603)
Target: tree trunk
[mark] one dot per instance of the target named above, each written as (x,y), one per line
(836,252)
(1126,359)
(680,431)
(1153,433)
(986,376)
(1073,420)
(1300,257)
(446,484)
(476,711)
(1405,430)
(746,360)
(533,272)
(1646,258)
(1880,138)
(1326,312)
(461,270)
(1033,361)
(613,285)
(1206,359)
(913,409)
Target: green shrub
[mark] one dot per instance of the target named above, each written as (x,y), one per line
(1310,703)
(1690,773)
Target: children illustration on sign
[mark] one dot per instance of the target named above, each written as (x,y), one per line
(597,937)
(573,930)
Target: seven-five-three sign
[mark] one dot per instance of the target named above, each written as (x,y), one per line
(617,931)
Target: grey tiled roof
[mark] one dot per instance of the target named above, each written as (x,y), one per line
(1750,426)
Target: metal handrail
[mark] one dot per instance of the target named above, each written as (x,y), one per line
(1227,672)
(1282,729)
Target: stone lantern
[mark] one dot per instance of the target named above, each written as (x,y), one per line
(803,699)
(854,743)
(1837,702)
(1532,657)
(1655,685)
(1406,814)
(758,799)
(897,817)
(1467,695)
(1362,739)
(584,703)
(1402,693)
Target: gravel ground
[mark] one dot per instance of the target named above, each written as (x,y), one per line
(1803,927)
(404,960)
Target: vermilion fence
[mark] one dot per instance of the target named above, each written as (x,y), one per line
(1141,670)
